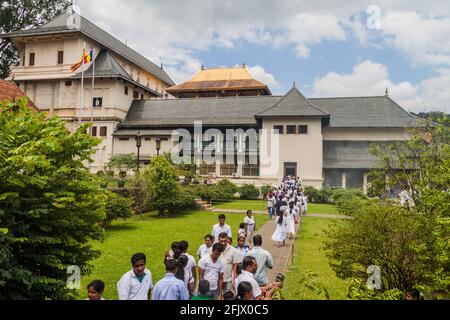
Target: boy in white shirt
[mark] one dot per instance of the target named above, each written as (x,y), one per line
(210,268)
(137,283)
(221,227)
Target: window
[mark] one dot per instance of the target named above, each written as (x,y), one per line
(103,131)
(135,95)
(32,57)
(279,128)
(142,97)
(94,131)
(291,129)
(97,102)
(68,83)
(124,139)
(60,57)
(302,129)
(126,90)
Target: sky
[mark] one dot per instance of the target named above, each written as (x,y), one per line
(328,48)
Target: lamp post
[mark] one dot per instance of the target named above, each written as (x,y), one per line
(158,146)
(138,145)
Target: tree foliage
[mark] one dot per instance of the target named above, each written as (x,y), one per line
(50,205)
(410,244)
(163,190)
(21,15)
(404,244)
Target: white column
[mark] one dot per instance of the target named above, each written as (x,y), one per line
(365,184)
(344,180)
(218,169)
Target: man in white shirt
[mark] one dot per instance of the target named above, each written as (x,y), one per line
(210,268)
(251,226)
(137,283)
(220,228)
(230,259)
(204,248)
(249,266)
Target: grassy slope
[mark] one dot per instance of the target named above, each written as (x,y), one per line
(309,255)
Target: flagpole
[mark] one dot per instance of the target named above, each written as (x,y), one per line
(82,83)
(93,83)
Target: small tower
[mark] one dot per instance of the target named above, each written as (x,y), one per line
(387,93)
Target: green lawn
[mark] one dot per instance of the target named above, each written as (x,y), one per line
(153,236)
(309,255)
(262,204)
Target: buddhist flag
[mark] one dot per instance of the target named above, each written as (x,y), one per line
(88,57)
(76,66)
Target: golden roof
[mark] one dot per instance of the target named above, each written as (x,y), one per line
(220,79)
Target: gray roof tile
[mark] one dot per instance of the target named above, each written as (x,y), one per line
(293,104)
(366,112)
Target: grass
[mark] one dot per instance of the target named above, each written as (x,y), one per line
(261,205)
(309,255)
(153,236)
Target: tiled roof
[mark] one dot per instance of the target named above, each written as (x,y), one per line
(10,91)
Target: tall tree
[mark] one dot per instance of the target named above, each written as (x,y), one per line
(50,204)
(21,15)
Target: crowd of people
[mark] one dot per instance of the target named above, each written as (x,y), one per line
(288,203)
(225,272)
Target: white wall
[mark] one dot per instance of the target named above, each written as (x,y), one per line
(305,150)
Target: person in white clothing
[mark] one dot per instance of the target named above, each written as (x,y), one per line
(221,227)
(204,248)
(280,233)
(251,227)
(191,266)
(249,267)
(290,221)
(137,283)
(211,268)
(230,259)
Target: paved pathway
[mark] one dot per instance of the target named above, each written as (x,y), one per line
(280,255)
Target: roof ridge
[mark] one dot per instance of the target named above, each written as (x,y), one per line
(294,89)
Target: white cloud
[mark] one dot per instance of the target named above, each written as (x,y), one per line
(263,76)
(424,39)
(372,79)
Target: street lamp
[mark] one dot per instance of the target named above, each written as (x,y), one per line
(158,146)
(138,145)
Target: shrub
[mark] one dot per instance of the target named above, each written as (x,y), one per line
(117,207)
(163,189)
(318,196)
(248,192)
(227,189)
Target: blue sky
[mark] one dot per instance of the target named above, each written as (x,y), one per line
(329,48)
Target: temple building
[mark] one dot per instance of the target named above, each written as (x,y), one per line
(325,141)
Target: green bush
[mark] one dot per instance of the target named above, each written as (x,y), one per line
(227,188)
(318,196)
(184,200)
(265,190)
(117,207)
(162,187)
(248,192)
